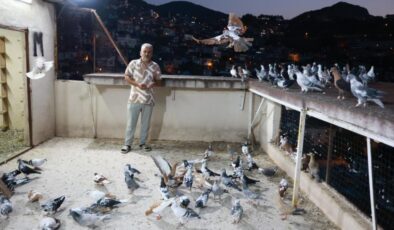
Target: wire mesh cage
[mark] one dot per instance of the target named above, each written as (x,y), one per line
(340,159)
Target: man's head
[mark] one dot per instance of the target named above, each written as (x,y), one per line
(146,52)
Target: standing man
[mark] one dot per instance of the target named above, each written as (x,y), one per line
(142,74)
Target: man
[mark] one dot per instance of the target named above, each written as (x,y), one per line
(142,74)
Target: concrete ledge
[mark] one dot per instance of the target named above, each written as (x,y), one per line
(334,205)
(173,81)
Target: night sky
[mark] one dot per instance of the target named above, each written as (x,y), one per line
(286,8)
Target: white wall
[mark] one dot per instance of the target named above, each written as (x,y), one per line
(38,16)
(180,114)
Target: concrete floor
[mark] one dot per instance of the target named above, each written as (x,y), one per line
(72,162)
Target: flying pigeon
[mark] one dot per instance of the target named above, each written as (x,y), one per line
(231,36)
(40,68)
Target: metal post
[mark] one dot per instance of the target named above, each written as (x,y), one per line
(300,146)
(370,177)
(251,110)
(329,152)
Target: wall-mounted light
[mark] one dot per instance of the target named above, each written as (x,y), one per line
(26,1)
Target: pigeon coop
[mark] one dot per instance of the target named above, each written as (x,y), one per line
(354,161)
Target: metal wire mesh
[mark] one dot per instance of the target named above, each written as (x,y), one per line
(341,156)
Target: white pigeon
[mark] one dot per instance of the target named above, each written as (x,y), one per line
(49,223)
(40,68)
(233,72)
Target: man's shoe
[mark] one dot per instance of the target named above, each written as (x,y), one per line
(125,149)
(146,148)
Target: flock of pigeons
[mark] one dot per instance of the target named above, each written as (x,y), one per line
(175,178)
(316,78)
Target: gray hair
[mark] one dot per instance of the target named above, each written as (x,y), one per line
(146,45)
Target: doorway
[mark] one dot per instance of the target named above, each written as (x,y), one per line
(15,131)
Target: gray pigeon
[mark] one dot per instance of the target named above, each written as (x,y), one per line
(247,192)
(227,181)
(130,182)
(217,190)
(5,206)
(131,170)
(52,206)
(363,93)
(188,178)
(236,211)
(165,194)
(183,213)
(268,171)
(202,200)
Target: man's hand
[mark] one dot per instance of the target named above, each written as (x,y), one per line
(143,86)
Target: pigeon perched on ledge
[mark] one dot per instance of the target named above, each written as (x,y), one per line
(364,93)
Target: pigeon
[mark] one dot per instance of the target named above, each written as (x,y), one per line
(183,213)
(11,181)
(52,206)
(245,148)
(251,163)
(25,169)
(313,167)
(236,163)
(236,211)
(290,72)
(268,171)
(247,192)
(188,178)
(184,201)
(110,202)
(285,145)
(233,72)
(99,179)
(262,75)
(217,190)
(364,94)
(285,83)
(5,206)
(202,200)
(206,171)
(283,186)
(306,83)
(208,152)
(40,69)
(227,181)
(86,218)
(165,194)
(366,76)
(36,163)
(130,182)
(131,170)
(34,196)
(324,76)
(340,84)
(49,223)
(248,180)
(231,36)
(168,173)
